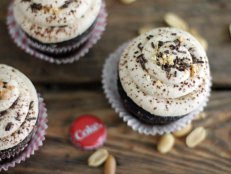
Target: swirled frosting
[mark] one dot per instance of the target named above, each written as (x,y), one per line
(18,107)
(55,21)
(165,71)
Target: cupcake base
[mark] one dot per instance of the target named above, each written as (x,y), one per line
(58,50)
(33,143)
(9,154)
(60,55)
(32,47)
(110,80)
(140,113)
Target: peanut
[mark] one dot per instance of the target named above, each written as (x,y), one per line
(175,21)
(196,137)
(201,116)
(200,39)
(166,143)
(145,29)
(183,132)
(127,1)
(110,165)
(98,158)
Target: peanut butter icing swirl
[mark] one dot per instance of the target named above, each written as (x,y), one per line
(55,20)
(165,71)
(18,107)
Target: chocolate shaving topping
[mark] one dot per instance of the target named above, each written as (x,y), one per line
(175,73)
(166,51)
(152,44)
(30,119)
(180,64)
(159,54)
(183,52)
(2,113)
(177,42)
(36,7)
(4,84)
(66,4)
(160,44)
(63,26)
(17,117)
(9,126)
(25,0)
(140,59)
(172,47)
(195,60)
(149,37)
(31,105)
(140,46)
(199,61)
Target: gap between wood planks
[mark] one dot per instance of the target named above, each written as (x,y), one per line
(98,86)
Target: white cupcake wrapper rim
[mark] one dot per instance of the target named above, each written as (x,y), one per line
(109,81)
(24,42)
(36,141)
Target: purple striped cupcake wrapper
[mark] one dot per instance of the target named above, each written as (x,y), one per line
(24,42)
(109,81)
(36,141)
(59,50)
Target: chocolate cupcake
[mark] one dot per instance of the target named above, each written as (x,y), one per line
(19,110)
(59,28)
(164,76)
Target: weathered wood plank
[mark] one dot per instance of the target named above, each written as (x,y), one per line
(135,153)
(209,16)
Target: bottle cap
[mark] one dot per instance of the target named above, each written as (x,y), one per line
(88,132)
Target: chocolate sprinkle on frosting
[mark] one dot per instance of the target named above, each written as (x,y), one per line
(4,84)
(25,0)
(30,119)
(160,44)
(142,61)
(152,44)
(140,46)
(36,6)
(66,4)
(9,126)
(149,37)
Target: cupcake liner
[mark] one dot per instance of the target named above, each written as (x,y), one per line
(24,42)
(11,153)
(109,81)
(59,50)
(36,141)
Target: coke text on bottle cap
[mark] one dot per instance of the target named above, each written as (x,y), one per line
(88,132)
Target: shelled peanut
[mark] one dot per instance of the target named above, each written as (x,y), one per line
(100,157)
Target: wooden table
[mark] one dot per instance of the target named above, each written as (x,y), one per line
(72,90)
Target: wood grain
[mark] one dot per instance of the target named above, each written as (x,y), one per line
(135,153)
(210,17)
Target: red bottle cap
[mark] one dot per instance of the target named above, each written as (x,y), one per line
(88,132)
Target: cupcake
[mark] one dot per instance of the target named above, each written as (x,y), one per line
(19,113)
(159,81)
(57,29)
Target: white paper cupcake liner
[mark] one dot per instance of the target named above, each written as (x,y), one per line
(109,80)
(22,41)
(36,141)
